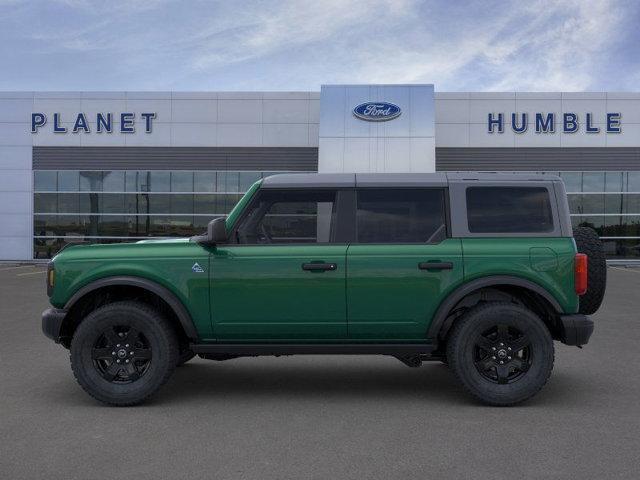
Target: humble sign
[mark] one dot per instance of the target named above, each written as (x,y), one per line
(104,122)
(549,122)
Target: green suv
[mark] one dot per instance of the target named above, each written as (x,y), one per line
(480,271)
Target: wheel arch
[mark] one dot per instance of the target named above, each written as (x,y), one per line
(443,321)
(163,294)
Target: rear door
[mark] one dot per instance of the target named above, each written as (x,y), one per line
(401,264)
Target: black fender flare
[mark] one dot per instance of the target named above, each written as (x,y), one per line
(439,324)
(164,293)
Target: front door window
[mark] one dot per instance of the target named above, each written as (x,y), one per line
(289,217)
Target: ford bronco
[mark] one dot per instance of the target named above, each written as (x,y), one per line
(481,271)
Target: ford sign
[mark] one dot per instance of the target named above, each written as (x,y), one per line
(377,111)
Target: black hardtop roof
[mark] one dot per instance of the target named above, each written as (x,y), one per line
(437,179)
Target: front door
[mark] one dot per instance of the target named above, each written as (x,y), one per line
(283,275)
(401,265)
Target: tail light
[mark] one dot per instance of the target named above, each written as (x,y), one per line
(581,273)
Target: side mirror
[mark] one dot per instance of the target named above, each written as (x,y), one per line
(216,233)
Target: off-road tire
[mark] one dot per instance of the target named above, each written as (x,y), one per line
(160,344)
(462,349)
(588,242)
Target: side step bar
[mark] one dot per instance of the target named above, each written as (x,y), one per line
(257,349)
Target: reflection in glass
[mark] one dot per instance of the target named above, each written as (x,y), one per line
(586,203)
(113,181)
(159,182)
(247,179)
(45,203)
(593,181)
(182,181)
(91,181)
(633,182)
(90,204)
(572,181)
(204,181)
(68,181)
(181,203)
(45,181)
(614,203)
(613,181)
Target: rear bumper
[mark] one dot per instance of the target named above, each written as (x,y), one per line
(52,319)
(576,329)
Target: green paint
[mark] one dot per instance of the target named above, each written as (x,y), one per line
(261,292)
(512,256)
(167,263)
(235,214)
(389,297)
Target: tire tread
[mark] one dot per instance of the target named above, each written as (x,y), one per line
(171,356)
(454,340)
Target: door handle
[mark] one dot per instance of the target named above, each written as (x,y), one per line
(319,267)
(435,265)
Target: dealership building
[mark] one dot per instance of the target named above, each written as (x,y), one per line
(123,166)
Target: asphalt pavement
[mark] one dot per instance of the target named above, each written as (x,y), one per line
(329,418)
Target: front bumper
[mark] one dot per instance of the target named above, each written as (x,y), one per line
(52,319)
(576,329)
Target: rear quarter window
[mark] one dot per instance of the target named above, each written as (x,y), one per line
(509,210)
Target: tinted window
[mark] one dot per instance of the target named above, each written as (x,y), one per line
(204,181)
(401,216)
(289,217)
(45,181)
(509,210)
(182,181)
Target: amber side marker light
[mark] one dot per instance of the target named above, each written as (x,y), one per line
(580,270)
(51,278)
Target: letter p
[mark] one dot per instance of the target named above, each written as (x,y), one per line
(37,121)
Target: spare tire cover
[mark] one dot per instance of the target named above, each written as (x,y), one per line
(588,242)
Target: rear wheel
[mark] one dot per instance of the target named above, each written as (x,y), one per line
(123,352)
(502,353)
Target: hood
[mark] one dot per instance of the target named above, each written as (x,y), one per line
(151,247)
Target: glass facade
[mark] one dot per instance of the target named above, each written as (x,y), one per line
(127,205)
(609,202)
(73,206)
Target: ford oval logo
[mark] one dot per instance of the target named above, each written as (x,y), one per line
(377,111)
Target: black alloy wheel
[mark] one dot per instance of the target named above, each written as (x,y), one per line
(121,354)
(502,354)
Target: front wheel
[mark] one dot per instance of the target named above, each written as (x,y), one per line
(123,352)
(502,353)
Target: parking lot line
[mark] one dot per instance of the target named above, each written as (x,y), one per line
(633,270)
(15,268)
(30,273)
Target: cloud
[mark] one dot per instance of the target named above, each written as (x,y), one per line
(540,45)
(561,49)
(299,44)
(257,33)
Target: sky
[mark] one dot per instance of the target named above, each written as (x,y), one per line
(286,45)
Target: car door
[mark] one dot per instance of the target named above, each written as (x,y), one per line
(402,263)
(283,276)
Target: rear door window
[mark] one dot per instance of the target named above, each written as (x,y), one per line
(401,215)
(509,210)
